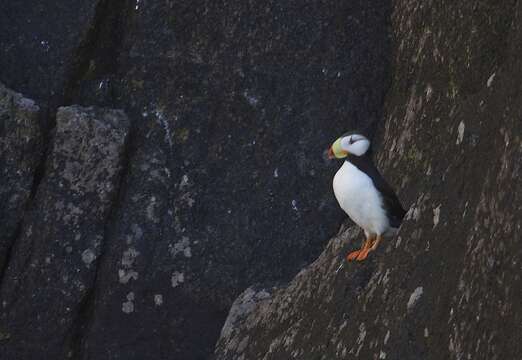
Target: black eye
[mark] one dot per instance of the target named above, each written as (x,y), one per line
(351,140)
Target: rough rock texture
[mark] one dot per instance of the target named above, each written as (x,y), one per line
(449,286)
(224,185)
(53,264)
(20,152)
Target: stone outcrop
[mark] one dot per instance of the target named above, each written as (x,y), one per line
(448,286)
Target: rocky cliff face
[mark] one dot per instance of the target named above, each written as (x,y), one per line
(449,285)
(129,233)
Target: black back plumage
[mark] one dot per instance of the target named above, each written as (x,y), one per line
(391,203)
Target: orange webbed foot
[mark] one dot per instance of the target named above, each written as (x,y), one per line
(353,255)
(363,254)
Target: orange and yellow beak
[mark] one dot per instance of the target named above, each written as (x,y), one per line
(336,151)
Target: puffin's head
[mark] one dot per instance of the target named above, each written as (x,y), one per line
(349,144)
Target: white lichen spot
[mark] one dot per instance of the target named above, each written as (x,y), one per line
(460,135)
(429,92)
(426,332)
(382,355)
(187,252)
(150,209)
(360,338)
(129,256)
(45,45)
(128,306)
(184,181)
(190,201)
(158,299)
(138,232)
(182,246)
(413,213)
(416,213)
(490,80)
(47,260)
(386,337)
(414,297)
(127,261)
(294,205)
(276,173)
(177,278)
(165,124)
(125,276)
(88,256)
(436,216)
(398,243)
(362,334)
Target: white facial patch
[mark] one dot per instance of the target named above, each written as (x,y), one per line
(355,144)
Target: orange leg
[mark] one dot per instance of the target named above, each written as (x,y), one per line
(376,242)
(364,250)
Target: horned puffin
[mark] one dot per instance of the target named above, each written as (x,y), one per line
(363,194)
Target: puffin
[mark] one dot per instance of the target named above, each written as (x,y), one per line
(363,194)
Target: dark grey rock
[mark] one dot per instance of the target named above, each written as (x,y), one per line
(20,152)
(47,287)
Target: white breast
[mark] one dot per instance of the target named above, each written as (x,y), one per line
(358,197)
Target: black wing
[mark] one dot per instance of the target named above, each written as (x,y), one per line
(391,203)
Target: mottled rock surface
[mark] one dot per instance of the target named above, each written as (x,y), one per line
(48,284)
(20,153)
(449,286)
